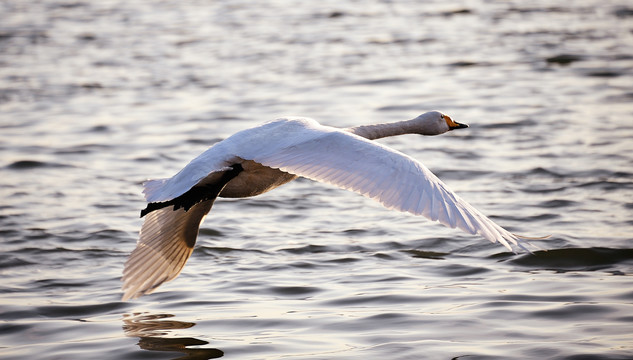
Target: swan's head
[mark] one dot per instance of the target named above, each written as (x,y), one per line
(435,123)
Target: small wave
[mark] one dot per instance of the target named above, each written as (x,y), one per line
(210,232)
(58,283)
(403,107)
(564,59)
(605,72)
(535,218)
(607,185)
(625,97)
(34,164)
(294,290)
(575,311)
(332,250)
(343,260)
(309,249)
(223,250)
(373,299)
(107,234)
(12,328)
(596,356)
(557,203)
(543,189)
(544,171)
(463,174)
(463,63)
(82,149)
(427,254)
(383,81)
(509,125)
(623,12)
(575,259)
(8,261)
(296,264)
(80,311)
(459,270)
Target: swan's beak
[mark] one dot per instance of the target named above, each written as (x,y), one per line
(458,126)
(452,125)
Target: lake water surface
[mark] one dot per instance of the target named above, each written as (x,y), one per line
(96,97)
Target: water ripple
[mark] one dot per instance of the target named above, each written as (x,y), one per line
(575,259)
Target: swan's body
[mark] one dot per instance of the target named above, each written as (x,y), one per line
(259,159)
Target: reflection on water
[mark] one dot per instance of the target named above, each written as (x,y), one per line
(152,331)
(151,325)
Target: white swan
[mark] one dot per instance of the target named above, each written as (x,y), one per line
(259,159)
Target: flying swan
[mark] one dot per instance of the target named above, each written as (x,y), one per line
(256,160)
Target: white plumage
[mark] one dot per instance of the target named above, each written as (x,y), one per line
(259,159)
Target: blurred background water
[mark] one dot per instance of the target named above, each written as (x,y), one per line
(96,97)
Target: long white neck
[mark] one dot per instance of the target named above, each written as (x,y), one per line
(377,131)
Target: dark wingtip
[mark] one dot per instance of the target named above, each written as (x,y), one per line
(196,194)
(154,206)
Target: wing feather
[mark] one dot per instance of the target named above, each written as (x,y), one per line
(383,174)
(165,244)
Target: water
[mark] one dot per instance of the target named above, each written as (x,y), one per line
(95,97)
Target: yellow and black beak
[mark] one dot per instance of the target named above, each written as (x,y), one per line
(452,125)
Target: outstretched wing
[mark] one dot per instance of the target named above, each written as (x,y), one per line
(166,242)
(169,234)
(378,172)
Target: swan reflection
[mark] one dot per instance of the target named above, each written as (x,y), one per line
(151,330)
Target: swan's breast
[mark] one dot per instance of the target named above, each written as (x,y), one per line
(255,179)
